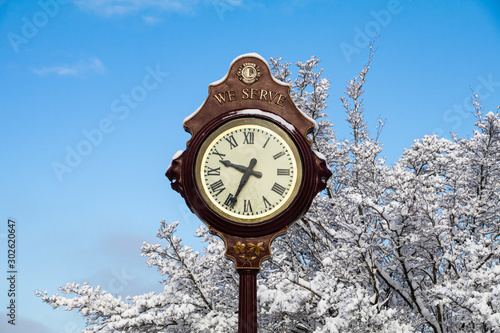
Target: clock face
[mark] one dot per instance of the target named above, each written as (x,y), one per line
(248,170)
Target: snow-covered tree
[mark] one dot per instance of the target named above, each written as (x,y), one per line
(412,247)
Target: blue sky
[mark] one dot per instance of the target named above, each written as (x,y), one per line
(93,94)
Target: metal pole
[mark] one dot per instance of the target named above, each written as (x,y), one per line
(247,314)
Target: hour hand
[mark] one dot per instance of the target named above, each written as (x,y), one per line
(241,168)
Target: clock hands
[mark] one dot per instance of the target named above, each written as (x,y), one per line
(242,168)
(247,172)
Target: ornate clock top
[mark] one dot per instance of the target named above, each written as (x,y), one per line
(249,84)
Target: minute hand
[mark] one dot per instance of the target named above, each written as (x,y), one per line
(242,168)
(247,172)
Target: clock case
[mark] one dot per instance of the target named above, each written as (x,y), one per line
(248,244)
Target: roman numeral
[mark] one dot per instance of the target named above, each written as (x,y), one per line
(229,201)
(278,189)
(283,172)
(266,203)
(232,141)
(278,155)
(221,156)
(265,144)
(249,136)
(247,207)
(214,172)
(217,187)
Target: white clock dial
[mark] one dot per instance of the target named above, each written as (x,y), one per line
(249,170)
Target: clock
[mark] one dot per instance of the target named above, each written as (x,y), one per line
(248,170)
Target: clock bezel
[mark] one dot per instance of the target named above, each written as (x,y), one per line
(212,137)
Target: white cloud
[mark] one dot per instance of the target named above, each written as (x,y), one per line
(93,65)
(151,20)
(120,7)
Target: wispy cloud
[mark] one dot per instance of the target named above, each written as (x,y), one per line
(151,20)
(121,7)
(93,65)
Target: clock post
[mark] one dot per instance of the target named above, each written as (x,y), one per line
(247,310)
(248,171)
